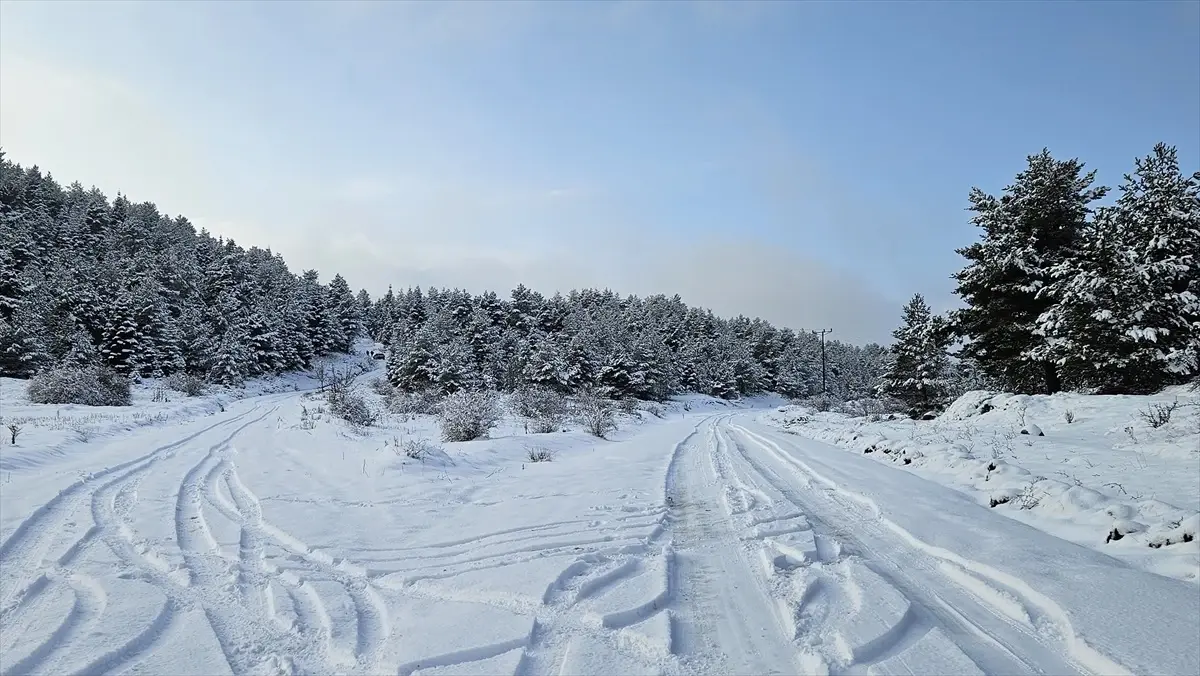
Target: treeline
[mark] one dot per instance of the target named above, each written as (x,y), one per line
(1061,294)
(622,346)
(1058,295)
(85,281)
(90,282)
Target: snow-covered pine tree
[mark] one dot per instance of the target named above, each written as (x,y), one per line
(343,309)
(547,365)
(1028,231)
(1159,208)
(120,344)
(80,278)
(363,300)
(1128,316)
(916,374)
(230,359)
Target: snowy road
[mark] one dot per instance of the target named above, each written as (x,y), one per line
(702,545)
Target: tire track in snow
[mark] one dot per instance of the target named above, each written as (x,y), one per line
(16,621)
(567,619)
(189,587)
(197,583)
(114,498)
(989,636)
(372,622)
(90,601)
(241,633)
(122,656)
(201,553)
(24,551)
(247,629)
(723,616)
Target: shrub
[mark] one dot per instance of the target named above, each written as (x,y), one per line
(1158,415)
(854,409)
(628,405)
(192,386)
(350,406)
(465,416)
(871,407)
(820,402)
(424,402)
(544,408)
(419,449)
(540,454)
(595,413)
(382,387)
(1069,416)
(89,386)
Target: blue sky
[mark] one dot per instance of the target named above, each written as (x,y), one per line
(807,162)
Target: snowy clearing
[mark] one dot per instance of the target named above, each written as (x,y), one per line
(269,538)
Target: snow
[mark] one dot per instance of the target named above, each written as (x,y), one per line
(269,537)
(1100,466)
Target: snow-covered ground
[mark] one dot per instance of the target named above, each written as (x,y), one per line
(270,538)
(1099,465)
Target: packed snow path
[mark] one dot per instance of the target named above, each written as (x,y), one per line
(705,545)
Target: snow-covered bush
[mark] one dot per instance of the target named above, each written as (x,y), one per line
(424,402)
(382,387)
(192,386)
(544,408)
(89,386)
(350,406)
(873,406)
(819,402)
(597,414)
(465,416)
(419,448)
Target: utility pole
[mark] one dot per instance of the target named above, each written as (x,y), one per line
(822,333)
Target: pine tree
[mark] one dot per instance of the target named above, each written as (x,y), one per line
(1128,319)
(547,365)
(344,313)
(1032,228)
(121,344)
(230,359)
(1159,208)
(83,281)
(917,373)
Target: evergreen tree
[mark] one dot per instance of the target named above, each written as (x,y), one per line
(83,281)
(121,343)
(918,369)
(343,310)
(1159,211)
(1008,282)
(1128,318)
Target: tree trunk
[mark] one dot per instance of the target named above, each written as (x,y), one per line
(1051,377)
